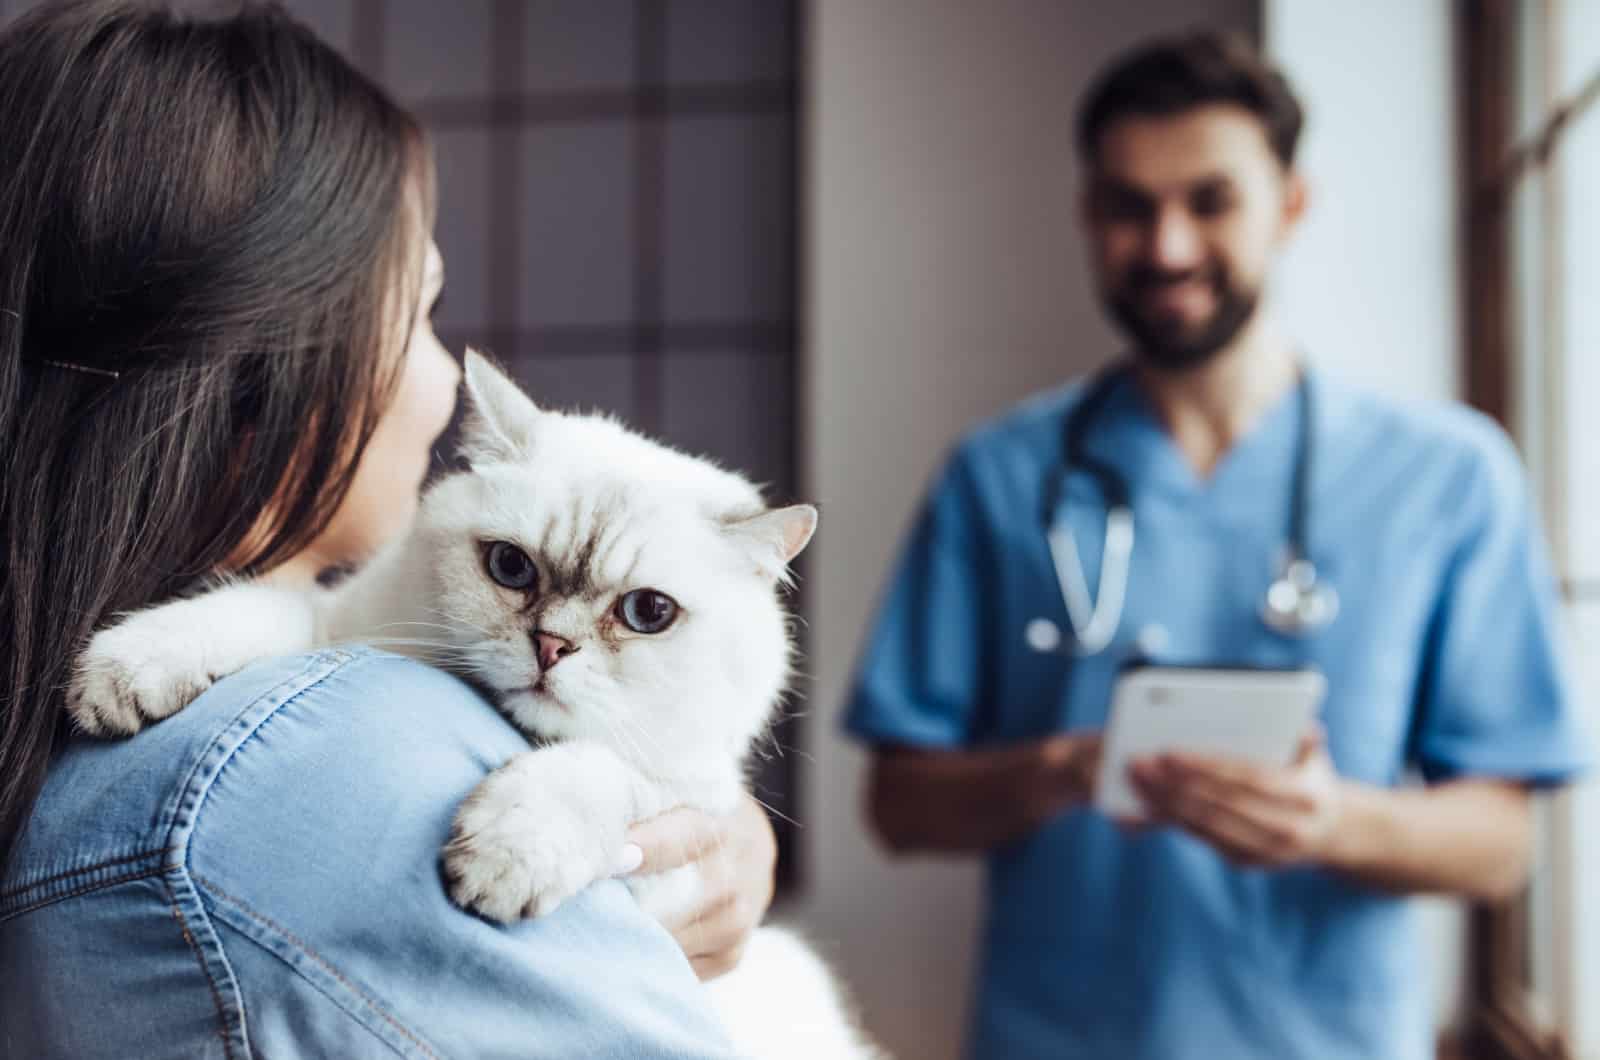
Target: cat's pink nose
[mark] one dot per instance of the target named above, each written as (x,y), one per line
(552,649)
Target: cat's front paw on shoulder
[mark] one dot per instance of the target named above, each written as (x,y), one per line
(128,678)
(510,858)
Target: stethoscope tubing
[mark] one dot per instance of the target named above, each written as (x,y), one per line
(1296,604)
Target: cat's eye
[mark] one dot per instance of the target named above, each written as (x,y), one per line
(647,611)
(510,567)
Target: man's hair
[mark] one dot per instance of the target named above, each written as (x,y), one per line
(1174,74)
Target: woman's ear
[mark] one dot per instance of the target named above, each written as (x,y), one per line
(500,420)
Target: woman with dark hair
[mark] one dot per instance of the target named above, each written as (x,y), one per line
(215,359)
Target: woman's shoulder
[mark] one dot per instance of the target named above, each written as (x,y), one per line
(290,821)
(358,727)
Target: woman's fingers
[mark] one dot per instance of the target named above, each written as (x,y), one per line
(733,856)
(676,838)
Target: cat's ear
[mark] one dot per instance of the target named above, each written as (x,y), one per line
(773,538)
(500,418)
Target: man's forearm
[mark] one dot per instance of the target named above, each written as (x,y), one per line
(975,800)
(1471,838)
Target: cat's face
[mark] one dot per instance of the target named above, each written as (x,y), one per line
(606,587)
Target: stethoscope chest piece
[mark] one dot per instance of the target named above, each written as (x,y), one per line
(1298,603)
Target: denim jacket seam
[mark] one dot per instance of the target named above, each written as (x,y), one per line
(205,969)
(179,816)
(52,897)
(367,1001)
(174,830)
(51,884)
(179,819)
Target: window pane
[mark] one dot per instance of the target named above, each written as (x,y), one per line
(1580,44)
(590,382)
(578,45)
(1529,327)
(1531,105)
(730,218)
(735,408)
(462,230)
(729,40)
(1579,941)
(434,50)
(577,236)
(332,20)
(1580,161)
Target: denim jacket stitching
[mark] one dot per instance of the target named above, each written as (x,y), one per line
(44,882)
(205,969)
(178,821)
(88,888)
(178,817)
(305,948)
(176,825)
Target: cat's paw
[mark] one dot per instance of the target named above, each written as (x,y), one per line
(515,853)
(132,675)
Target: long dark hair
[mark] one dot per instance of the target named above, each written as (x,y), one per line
(203,228)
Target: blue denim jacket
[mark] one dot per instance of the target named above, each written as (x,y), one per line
(258,877)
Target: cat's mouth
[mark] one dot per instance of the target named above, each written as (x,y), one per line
(538,695)
(541,691)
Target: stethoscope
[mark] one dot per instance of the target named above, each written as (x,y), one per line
(1297,603)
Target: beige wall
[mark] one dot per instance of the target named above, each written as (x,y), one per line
(945,279)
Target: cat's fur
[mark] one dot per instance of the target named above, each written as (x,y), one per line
(627,724)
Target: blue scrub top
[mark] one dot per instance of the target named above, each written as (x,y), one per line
(1445,658)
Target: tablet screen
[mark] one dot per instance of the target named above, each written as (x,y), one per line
(1255,715)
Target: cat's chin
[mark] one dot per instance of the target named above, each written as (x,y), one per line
(539,710)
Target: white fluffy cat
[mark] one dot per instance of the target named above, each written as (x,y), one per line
(618,599)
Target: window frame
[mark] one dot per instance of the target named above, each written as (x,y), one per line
(1501,1020)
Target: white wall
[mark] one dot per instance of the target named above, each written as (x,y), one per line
(1369,285)
(945,279)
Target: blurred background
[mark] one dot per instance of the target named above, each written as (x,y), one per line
(816,240)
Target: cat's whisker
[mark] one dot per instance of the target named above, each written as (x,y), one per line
(774,810)
(424,625)
(459,621)
(446,656)
(622,732)
(803,755)
(421,642)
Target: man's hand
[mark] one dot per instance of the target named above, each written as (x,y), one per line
(735,856)
(1073,762)
(1255,815)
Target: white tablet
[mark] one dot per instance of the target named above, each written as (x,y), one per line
(1257,715)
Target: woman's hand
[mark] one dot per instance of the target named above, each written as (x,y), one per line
(735,855)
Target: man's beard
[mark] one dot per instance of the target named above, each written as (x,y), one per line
(1166,342)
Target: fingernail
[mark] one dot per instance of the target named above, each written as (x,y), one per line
(632,857)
